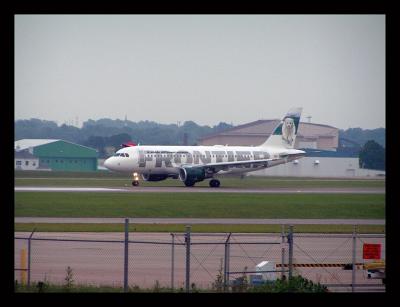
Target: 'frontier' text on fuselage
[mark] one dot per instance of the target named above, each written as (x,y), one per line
(196,157)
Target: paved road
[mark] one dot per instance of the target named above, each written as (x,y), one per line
(192,221)
(204,190)
(150,257)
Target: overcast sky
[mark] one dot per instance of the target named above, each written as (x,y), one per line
(205,68)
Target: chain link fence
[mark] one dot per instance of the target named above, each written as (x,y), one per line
(336,260)
(189,261)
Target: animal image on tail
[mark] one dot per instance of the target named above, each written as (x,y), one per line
(288,130)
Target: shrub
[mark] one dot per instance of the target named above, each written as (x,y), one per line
(69,281)
(218,284)
(294,284)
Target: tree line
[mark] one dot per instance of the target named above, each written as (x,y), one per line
(106,135)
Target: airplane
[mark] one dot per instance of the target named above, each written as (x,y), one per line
(192,164)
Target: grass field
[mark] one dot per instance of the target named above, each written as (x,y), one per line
(200,205)
(195,205)
(108,179)
(202,228)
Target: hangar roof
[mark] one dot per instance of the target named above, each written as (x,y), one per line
(29,143)
(265,127)
(23,154)
(65,149)
(54,148)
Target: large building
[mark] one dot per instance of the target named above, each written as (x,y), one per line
(326,165)
(50,154)
(255,133)
(319,141)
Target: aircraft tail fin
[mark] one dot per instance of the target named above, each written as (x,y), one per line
(284,134)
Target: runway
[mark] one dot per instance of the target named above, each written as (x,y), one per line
(194,221)
(204,190)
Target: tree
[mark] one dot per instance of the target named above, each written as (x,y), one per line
(118,139)
(372,156)
(96,142)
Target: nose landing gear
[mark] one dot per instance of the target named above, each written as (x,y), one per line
(135,181)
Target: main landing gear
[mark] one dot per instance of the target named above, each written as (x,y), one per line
(214,183)
(189,183)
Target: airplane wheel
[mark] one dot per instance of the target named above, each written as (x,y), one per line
(189,183)
(135,183)
(214,183)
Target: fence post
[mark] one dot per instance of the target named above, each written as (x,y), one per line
(172,261)
(290,239)
(283,253)
(187,240)
(353,273)
(29,257)
(23,266)
(226,262)
(126,255)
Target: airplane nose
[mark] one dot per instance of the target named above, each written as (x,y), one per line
(107,163)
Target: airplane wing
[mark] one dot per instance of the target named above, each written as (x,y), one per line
(213,168)
(290,156)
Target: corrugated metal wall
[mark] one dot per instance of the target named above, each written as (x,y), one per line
(66,156)
(319,167)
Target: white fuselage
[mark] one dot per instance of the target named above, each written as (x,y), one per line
(195,163)
(168,159)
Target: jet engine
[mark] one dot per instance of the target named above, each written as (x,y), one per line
(191,175)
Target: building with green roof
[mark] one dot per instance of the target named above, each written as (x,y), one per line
(59,155)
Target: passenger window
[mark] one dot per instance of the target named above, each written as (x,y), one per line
(126,155)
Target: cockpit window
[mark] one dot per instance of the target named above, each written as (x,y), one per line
(121,155)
